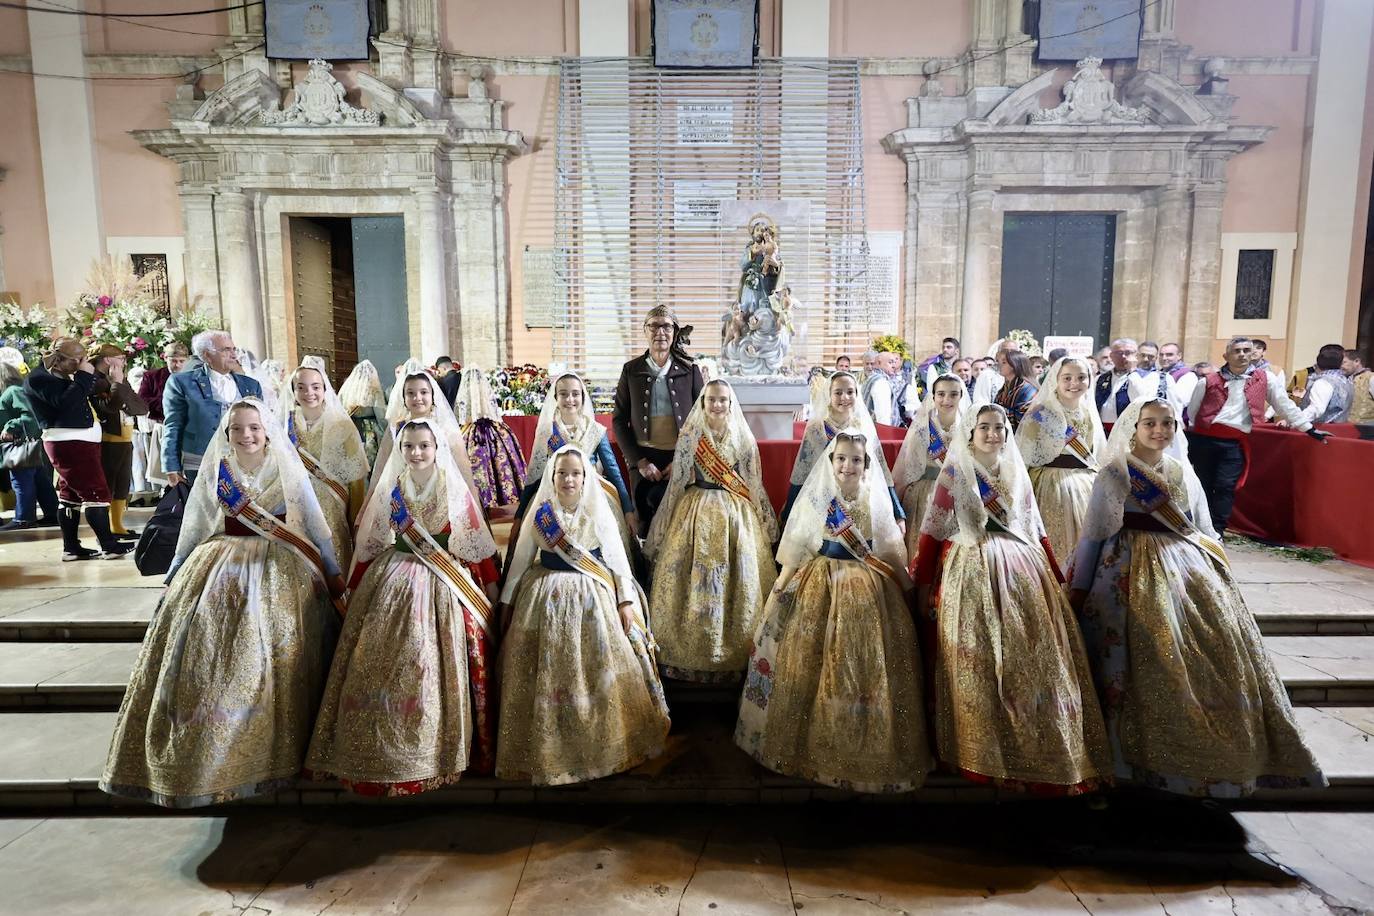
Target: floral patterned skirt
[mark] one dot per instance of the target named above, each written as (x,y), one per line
(221,700)
(1193,703)
(713,573)
(498,465)
(1014,695)
(579,698)
(1063,495)
(398,714)
(833,690)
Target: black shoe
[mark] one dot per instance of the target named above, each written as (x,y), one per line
(49,521)
(116,551)
(80,553)
(129,535)
(18,524)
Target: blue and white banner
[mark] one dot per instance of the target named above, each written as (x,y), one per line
(332,30)
(1075,29)
(705,33)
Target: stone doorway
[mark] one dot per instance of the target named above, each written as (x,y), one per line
(347,282)
(1065,262)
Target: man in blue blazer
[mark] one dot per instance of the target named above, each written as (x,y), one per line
(194,401)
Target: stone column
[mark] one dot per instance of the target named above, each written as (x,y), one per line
(434,303)
(202,260)
(479,233)
(933,271)
(1169,272)
(1204,269)
(240,285)
(976,326)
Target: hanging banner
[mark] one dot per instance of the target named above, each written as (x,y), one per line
(1075,29)
(705,33)
(331,30)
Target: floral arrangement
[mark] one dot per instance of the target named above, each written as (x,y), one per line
(1025,342)
(188,324)
(118,308)
(519,389)
(25,330)
(892,343)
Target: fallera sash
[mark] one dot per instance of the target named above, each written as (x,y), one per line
(312,464)
(556,541)
(440,562)
(716,469)
(938,447)
(1076,445)
(236,502)
(840,528)
(1152,494)
(992,502)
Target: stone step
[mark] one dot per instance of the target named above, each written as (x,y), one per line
(54,759)
(1317,670)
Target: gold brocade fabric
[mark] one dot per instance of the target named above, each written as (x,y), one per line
(1063,495)
(335,512)
(714,572)
(1193,703)
(833,690)
(1014,694)
(221,700)
(914,503)
(579,698)
(396,707)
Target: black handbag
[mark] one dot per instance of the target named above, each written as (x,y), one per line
(21,453)
(157,545)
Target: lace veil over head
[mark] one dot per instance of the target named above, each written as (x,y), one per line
(1041,435)
(363,389)
(342,455)
(587,435)
(475,399)
(806,526)
(966,523)
(914,455)
(468,539)
(737,446)
(814,441)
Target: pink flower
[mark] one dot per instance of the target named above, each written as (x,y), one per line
(99,311)
(86,333)
(104,300)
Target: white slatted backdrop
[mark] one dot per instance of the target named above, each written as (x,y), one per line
(649,160)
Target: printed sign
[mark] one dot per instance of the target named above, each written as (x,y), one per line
(704,122)
(1077,346)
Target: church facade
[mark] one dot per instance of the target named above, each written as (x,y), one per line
(1217,184)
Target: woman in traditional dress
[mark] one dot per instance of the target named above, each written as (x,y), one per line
(1018,385)
(712,541)
(841,410)
(409,701)
(498,466)
(1061,439)
(328,445)
(580,695)
(924,448)
(833,691)
(417,396)
(1193,704)
(220,702)
(1014,700)
(361,395)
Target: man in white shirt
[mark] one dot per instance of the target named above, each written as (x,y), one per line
(1225,407)
(1185,379)
(892,398)
(1114,390)
(1329,391)
(195,399)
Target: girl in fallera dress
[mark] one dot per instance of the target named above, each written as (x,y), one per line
(833,690)
(1061,440)
(842,410)
(417,396)
(580,695)
(361,395)
(712,543)
(409,704)
(924,448)
(1014,699)
(328,445)
(220,702)
(1193,703)
(498,465)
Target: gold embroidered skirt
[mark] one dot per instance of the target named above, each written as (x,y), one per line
(914,504)
(1193,703)
(220,703)
(396,717)
(579,698)
(1014,694)
(336,516)
(1063,495)
(833,690)
(713,573)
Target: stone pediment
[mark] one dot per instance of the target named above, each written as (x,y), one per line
(253,99)
(1148,99)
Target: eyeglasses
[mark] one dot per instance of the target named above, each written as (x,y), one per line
(656,327)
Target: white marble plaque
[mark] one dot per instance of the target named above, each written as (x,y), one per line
(884,281)
(696,204)
(705,122)
(545,301)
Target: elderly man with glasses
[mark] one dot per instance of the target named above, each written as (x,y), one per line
(656,392)
(194,400)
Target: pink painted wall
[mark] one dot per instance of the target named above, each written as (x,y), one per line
(899,28)
(14,31)
(182,35)
(1264,183)
(520,27)
(1245,27)
(138,194)
(23,213)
